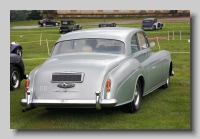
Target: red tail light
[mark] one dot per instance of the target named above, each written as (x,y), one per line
(108,85)
(27,84)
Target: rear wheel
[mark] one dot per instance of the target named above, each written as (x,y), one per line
(15,78)
(134,105)
(167,84)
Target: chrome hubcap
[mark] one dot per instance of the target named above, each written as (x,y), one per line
(136,95)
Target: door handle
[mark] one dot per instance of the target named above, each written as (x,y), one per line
(153,67)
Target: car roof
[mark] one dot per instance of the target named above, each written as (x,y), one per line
(118,33)
(149,19)
(67,20)
(105,23)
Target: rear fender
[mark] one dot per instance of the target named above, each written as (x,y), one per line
(123,79)
(14,47)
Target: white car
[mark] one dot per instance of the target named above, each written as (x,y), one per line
(96,68)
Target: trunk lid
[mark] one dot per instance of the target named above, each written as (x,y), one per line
(94,68)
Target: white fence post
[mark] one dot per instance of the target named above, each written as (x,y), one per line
(158,43)
(40,38)
(173,34)
(47,46)
(168,35)
(180,35)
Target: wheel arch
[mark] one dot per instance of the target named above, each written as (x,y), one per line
(170,68)
(142,82)
(18,47)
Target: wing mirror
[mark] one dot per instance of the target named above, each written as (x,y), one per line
(152,44)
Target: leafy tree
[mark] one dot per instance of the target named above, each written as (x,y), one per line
(34,15)
(18,15)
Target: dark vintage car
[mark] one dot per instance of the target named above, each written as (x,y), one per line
(151,24)
(46,22)
(16,48)
(17,71)
(107,25)
(69,26)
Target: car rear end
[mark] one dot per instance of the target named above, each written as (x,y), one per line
(65,26)
(147,25)
(78,82)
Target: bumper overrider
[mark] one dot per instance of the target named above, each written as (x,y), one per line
(53,103)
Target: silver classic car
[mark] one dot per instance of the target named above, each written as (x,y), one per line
(96,68)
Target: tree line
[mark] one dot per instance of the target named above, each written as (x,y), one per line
(21,15)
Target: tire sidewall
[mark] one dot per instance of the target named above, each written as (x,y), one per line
(12,70)
(136,108)
(131,107)
(168,83)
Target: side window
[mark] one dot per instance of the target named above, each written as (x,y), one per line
(134,44)
(142,40)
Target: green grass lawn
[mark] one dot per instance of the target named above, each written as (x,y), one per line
(162,109)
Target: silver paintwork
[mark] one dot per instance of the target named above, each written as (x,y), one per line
(152,68)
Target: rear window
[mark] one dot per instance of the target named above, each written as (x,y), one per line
(89,46)
(147,21)
(67,22)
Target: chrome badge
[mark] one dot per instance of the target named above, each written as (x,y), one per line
(65,85)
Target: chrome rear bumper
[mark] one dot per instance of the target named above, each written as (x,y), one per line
(70,103)
(98,103)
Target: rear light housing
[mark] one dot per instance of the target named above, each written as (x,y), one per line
(27,84)
(108,85)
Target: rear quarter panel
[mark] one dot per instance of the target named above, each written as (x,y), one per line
(123,79)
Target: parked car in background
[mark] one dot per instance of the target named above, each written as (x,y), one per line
(99,67)
(16,48)
(47,22)
(151,24)
(107,25)
(17,71)
(69,26)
